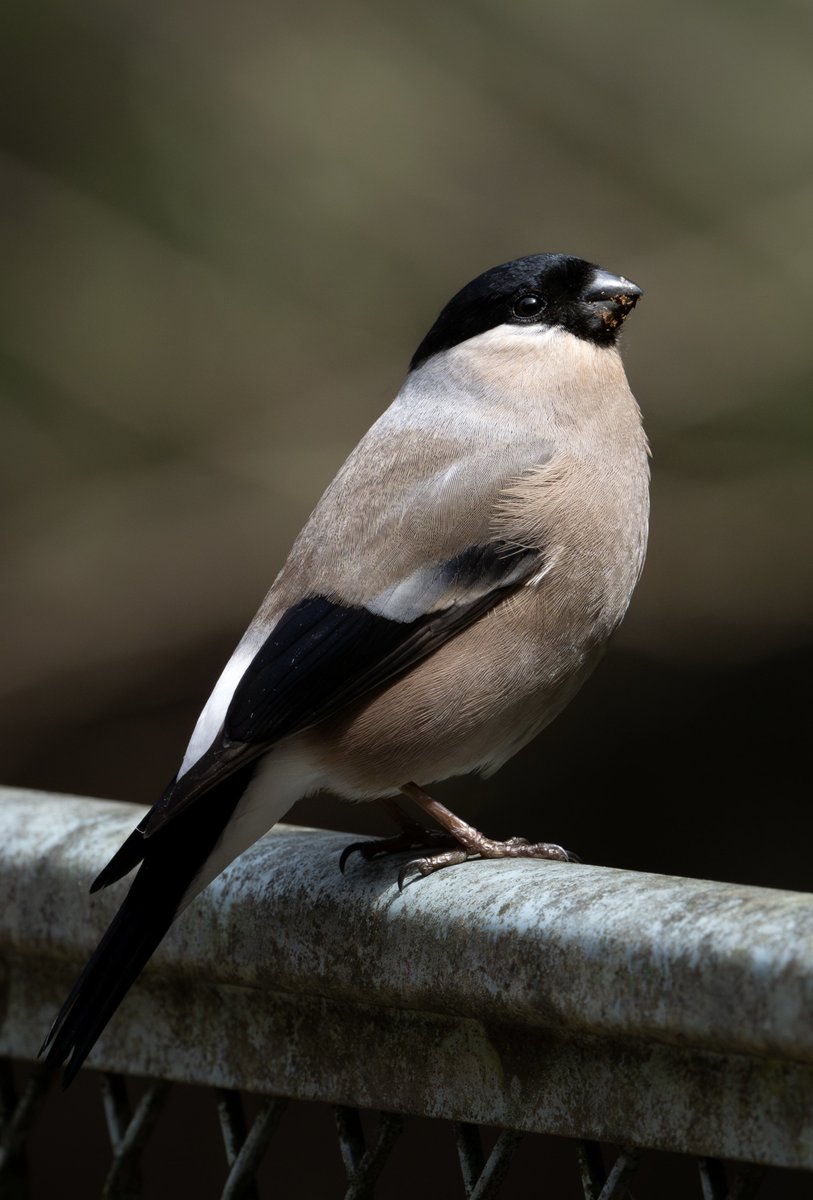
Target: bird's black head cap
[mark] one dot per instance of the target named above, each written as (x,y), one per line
(542,289)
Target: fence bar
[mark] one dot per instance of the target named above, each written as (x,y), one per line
(607,1005)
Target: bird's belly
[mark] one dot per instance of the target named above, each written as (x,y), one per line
(473,704)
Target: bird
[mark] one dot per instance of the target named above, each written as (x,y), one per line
(455,585)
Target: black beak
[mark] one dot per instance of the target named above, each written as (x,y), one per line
(611,297)
(613,288)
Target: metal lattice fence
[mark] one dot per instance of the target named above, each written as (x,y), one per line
(611,1008)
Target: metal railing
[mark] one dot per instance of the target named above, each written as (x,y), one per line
(640,1011)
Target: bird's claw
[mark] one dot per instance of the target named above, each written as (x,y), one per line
(355,847)
(515,847)
(419,839)
(448,850)
(414,864)
(428,866)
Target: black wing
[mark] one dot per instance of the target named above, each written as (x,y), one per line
(321,656)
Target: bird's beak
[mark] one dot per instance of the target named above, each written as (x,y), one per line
(612,297)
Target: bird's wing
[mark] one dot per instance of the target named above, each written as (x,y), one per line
(322,655)
(398,557)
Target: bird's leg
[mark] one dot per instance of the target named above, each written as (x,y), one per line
(470,842)
(413,836)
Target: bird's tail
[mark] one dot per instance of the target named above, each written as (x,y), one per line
(172,860)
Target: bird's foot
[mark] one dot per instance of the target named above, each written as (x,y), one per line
(421,839)
(515,847)
(413,836)
(470,843)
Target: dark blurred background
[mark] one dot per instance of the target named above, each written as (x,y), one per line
(224,228)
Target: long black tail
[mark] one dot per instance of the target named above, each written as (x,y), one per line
(172,859)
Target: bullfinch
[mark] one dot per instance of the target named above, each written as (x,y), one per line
(453,588)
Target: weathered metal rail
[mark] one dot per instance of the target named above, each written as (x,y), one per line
(603,1005)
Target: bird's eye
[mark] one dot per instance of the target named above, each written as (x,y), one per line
(528,306)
